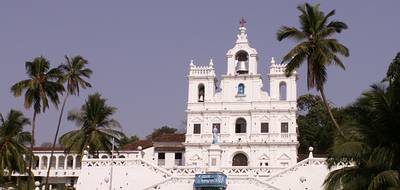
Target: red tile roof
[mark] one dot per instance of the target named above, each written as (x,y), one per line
(172,149)
(133,146)
(178,137)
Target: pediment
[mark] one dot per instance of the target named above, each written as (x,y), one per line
(264,118)
(263,157)
(195,157)
(284,118)
(216,119)
(197,119)
(284,157)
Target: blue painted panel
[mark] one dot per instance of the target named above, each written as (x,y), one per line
(210,180)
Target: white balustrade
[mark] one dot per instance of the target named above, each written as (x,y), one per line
(202,71)
(244,138)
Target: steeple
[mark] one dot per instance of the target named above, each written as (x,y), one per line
(242,59)
(242,36)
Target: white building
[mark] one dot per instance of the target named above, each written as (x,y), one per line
(255,128)
(238,137)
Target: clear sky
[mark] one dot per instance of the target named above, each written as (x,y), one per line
(140,50)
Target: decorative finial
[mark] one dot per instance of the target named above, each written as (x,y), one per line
(310,149)
(242,22)
(211,62)
(191,63)
(272,60)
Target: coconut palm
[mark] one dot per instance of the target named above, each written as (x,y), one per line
(97,128)
(373,148)
(74,74)
(12,142)
(316,46)
(40,88)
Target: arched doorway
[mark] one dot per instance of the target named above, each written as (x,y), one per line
(239,160)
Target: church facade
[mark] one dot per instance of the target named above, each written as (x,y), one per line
(255,128)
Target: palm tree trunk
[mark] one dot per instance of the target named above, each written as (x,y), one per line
(321,90)
(31,152)
(55,141)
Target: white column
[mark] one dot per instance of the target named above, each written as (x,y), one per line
(40,162)
(65,161)
(74,162)
(48,162)
(56,166)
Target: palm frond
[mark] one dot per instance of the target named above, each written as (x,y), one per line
(385,179)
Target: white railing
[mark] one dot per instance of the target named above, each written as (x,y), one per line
(123,162)
(304,163)
(186,170)
(244,138)
(229,171)
(202,71)
(250,171)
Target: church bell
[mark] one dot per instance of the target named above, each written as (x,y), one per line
(241,67)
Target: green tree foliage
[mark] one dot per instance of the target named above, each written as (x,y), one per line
(40,88)
(160,131)
(12,142)
(316,47)
(373,144)
(314,124)
(97,128)
(128,140)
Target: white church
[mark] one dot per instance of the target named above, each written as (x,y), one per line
(238,136)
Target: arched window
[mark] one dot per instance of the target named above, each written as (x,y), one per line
(240,125)
(78,162)
(239,160)
(242,62)
(44,162)
(61,162)
(70,162)
(241,89)
(36,162)
(53,162)
(282,91)
(201,92)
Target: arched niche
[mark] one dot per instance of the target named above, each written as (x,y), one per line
(200,92)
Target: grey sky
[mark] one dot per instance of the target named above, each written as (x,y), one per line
(140,51)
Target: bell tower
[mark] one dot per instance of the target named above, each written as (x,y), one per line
(281,87)
(201,83)
(242,59)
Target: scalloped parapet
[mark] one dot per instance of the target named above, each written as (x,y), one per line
(201,71)
(276,68)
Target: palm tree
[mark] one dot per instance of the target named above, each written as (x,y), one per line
(74,72)
(316,46)
(40,88)
(12,142)
(97,128)
(373,146)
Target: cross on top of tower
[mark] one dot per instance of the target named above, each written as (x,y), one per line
(242,22)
